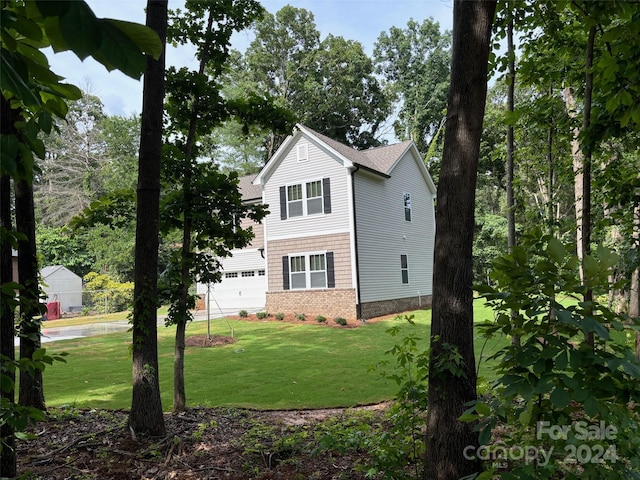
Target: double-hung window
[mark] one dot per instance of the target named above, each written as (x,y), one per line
(314,197)
(308,270)
(308,198)
(404,269)
(295,202)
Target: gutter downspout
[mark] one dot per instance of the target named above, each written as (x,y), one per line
(355,243)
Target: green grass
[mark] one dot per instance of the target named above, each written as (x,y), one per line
(97,318)
(272,365)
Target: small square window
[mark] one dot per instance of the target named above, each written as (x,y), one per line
(261,273)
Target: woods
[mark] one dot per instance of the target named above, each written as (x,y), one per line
(535,152)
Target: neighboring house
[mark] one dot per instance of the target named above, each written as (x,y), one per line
(349,234)
(63,286)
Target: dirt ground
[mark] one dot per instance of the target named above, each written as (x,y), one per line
(203,443)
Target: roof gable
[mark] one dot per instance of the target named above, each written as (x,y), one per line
(379,160)
(51,269)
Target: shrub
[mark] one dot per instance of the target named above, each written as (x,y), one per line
(544,381)
(321,319)
(280,316)
(340,321)
(243,313)
(262,315)
(301,316)
(106,295)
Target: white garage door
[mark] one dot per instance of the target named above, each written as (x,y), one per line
(239,290)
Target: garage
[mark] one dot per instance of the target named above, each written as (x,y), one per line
(243,286)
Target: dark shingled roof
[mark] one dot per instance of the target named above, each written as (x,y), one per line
(379,159)
(248,190)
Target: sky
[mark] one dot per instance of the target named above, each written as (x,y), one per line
(361,20)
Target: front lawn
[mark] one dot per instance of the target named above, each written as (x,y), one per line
(272,365)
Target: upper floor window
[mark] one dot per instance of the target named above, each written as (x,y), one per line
(407,206)
(294,200)
(308,198)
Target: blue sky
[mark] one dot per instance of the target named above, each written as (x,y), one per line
(361,20)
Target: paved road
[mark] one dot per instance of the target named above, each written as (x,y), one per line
(52,333)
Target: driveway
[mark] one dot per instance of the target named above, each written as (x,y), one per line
(51,333)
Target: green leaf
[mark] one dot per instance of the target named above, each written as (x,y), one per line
(144,37)
(483,409)
(525,417)
(591,406)
(468,417)
(590,324)
(12,81)
(591,267)
(562,360)
(556,250)
(117,51)
(80,29)
(560,398)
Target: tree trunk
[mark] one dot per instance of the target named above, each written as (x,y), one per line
(447,438)
(551,172)
(146,414)
(511,215)
(179,392)
(31,392)
(7,327)
(585,219)
(634,290)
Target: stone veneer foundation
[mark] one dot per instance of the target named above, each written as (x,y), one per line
(336,302)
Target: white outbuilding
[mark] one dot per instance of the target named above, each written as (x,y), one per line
(62,285)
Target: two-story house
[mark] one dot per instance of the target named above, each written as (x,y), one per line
(349,234)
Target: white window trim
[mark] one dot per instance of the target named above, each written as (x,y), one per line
(305,199)
(307,271)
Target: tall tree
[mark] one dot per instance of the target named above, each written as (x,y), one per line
(450,388)
(340,96)
(288,61)
(415,62)
(31,389)
(69,177)
(146,415)
(195,106)
(7,304)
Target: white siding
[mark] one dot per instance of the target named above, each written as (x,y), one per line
(318,165)
(62,285)
(384,234)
